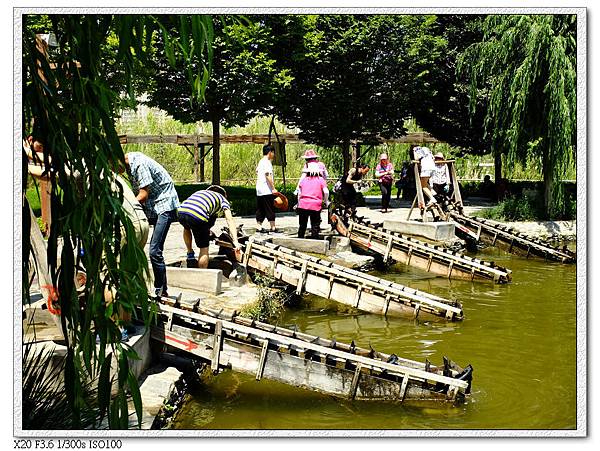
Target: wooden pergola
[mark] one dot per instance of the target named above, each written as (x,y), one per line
(199,145)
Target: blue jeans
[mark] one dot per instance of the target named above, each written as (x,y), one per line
(157,244)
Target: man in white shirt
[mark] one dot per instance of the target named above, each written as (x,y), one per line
(265,190)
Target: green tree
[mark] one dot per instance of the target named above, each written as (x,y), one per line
(70,107)
(242,84)
(526,65)
(357,77)
(444,109)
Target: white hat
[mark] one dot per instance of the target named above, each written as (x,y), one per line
(383,156)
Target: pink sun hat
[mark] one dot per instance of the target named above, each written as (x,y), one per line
(310,154)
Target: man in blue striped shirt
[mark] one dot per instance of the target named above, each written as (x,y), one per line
(198,213)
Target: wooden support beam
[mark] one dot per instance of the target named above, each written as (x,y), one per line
(388,299)
(388,249)
(169,325)
(402,393)
(355,380)
(196,159)
(417,309)
(302,280)
(202,157)
(357,296)
(217,343)
(263,360)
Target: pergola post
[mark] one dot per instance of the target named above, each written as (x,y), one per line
(202,156)
(196,158)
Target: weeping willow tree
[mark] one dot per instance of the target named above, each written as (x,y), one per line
(526,67)
(69,106)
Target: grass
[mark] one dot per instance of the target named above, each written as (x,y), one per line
(270,302)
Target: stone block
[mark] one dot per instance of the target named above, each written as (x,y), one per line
(302,244)
(204,280)
(436,231)
(340,244)
(156,388)
(140,342)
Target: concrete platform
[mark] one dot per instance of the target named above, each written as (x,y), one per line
(204,280)
(302,244)
(155,390)
(138,341)
(351,260)
(436,231)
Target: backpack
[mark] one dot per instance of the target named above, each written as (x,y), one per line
(338,186)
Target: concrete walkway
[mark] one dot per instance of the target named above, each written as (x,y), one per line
(288,223)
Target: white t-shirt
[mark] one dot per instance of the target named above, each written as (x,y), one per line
(424,155)
(264,167)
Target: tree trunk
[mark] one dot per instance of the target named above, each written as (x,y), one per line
(216,172)
(346,155)
(497,167)
(355,154)
(548,183)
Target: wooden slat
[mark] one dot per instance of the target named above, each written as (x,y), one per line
(395,288)
(262,361)
(217,343)
(402,393)
(355,380)
(302,280)
(295,342)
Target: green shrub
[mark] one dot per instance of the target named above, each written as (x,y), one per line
(242,198)
(270,301)
(520,208)
(33,198)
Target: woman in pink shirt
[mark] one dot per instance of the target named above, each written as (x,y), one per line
(385,175)
(312,191)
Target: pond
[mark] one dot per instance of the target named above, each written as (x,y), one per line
(520,339)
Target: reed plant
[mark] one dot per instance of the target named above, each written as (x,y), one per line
(238,161)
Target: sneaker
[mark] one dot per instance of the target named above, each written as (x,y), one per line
(124,335)
(275,231)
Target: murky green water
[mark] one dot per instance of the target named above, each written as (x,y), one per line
(520,339)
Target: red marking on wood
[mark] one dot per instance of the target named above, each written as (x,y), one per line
(189,345)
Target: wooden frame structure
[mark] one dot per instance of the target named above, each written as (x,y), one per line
(347,286)
(430,258)
(512,241)
(314,363)
(420,198)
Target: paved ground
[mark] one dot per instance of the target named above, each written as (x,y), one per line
(288,223)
